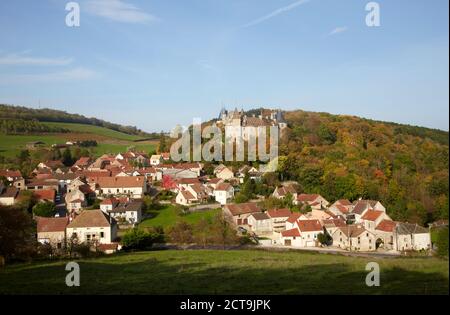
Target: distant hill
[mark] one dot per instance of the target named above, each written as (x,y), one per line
(338,156)
(20,113)
(20,126)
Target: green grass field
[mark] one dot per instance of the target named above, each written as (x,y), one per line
(10,145)
(109,141)
(167,216)
(82,128)
(228,272)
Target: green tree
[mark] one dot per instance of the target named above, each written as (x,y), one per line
(162,143)
(326,134)
(67,157)
(323,239)
(23,156)
(442,242)
(17,234)
(44,209)
(137,239)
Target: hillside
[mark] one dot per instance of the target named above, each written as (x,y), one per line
(52,115)
(405,167)
(20,126)
(228,272)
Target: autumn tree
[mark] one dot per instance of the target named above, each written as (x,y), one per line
(17,233)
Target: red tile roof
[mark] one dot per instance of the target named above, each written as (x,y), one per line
(279,213)
(344,202)
(85,189)
(121,181)
(291,233)
(243,208)
(187,195)
(10,173)
(386,226)
(372,215)
(334,222)
(51,224)
(294,217)
(109,201)
(307,197)
(352,230)
(223,186)
(45,194)
(83,161)
(309,225)
(284,190)
(92,174)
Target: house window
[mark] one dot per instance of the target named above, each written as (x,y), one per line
(102,234)
(359,240)
(59,245)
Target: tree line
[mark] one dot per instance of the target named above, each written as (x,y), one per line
(20,126)
(404,167)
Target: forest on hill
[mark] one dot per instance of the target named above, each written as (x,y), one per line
(21,114)
(405,167)
(20,126)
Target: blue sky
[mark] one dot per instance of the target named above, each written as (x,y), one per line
(154,64)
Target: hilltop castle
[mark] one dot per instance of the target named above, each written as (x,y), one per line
(267,117)
(238,119)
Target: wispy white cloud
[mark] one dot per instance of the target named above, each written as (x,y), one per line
(21,59)
(74,74)
(338,30)
(118,10)
(275,13)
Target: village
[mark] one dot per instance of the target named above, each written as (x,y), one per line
(96,197)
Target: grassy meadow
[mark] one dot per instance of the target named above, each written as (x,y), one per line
(109,141)
(167,217)
(228,272)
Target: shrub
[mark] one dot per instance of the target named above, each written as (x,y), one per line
(324,239)
(181,233)
(442,242)
(44,209)
(136,239)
